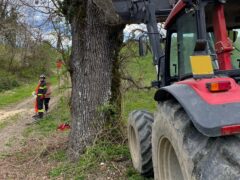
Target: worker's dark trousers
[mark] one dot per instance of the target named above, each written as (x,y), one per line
(46,103)
(40,106)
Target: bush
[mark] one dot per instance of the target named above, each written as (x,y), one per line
(8,82)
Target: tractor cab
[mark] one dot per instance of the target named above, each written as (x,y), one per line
(206,29)
(202,64)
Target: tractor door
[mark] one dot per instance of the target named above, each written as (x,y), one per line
(182,37)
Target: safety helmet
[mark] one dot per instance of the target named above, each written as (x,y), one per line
(42,76)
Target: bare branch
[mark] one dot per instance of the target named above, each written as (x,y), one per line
(134,83)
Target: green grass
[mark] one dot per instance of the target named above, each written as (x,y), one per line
(59,156)
(89,163)
(132,174)
(46,126)
(102,152)
(20,93)
(135,98)
(138,99)
(16,95)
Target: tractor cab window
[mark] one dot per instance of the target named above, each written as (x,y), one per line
(235,55)
(174,56)
(187,36)
(182,42)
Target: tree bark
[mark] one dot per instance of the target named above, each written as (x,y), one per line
(95,46)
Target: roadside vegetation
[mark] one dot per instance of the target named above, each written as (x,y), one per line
(27,70)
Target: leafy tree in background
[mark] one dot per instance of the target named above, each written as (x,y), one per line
(23,53)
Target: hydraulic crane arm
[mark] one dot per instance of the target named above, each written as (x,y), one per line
(134,11)
(148,12)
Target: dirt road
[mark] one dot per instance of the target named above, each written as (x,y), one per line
(16,118)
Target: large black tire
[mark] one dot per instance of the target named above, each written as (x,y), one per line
(139,138)
(180,152)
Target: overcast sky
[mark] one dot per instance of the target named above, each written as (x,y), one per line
(39,20)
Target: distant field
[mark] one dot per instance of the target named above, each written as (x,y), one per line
(133,99)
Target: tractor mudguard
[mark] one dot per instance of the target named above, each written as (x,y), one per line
(209,119)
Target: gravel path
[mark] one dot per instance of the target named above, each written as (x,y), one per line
(19,116)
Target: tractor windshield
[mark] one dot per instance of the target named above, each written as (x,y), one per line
(236,51)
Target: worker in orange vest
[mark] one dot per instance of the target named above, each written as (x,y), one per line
(40,93)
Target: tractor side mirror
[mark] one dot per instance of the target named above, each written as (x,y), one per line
(233,35)
(143,50)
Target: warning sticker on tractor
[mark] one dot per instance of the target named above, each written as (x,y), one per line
(201,65)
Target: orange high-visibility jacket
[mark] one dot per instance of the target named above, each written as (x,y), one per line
(36,91)
(40,90)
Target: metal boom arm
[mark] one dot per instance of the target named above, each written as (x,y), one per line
(148,12)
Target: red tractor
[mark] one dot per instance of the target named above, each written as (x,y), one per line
(194,132)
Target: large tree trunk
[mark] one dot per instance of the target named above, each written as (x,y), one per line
(94,49)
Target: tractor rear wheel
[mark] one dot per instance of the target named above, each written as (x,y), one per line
(139,137)
(180,152)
